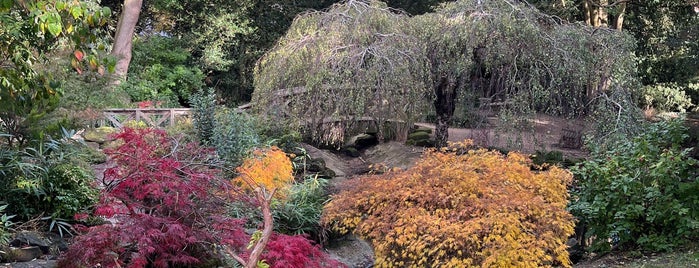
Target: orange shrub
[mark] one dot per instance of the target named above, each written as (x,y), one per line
(459,208)
(269,169)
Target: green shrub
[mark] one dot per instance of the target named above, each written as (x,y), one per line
(640,192)
(668,97)
(48,179)
(5,224)
(203,105)
(300,213)
(234,135)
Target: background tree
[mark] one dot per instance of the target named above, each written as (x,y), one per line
(665,33)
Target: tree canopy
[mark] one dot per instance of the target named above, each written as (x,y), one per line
(500,50)
(356,59)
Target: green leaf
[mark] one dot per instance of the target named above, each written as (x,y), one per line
(76,11)
(60,5)
(55,28)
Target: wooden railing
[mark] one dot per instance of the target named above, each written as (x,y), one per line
(153,117)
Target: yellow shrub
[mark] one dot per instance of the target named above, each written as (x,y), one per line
(268,168)
(459,208)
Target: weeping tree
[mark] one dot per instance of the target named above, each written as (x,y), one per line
(354,61)
(362,59)
(509,52)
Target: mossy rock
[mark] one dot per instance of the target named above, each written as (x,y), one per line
(100,134)
(420,135)
(424,143)
(421,129)
(315,165)
(350,151)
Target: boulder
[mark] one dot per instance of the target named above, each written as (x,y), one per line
(350,151)
(421,129)
(33,239)
(419,135)
(315,165)
(99,135)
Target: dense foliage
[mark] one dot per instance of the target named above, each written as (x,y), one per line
(165,202)
(501,51)
(29,32)
(458,208)
(640,192)
(162,70)
(369,66)
(46,180)
(665,34)
(234,135)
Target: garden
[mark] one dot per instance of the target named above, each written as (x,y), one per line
(353,133)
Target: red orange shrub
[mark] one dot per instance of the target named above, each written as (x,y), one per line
(167,206)
(459,208)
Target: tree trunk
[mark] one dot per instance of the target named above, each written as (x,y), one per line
(267,230)
(619,22)
(444,104)
(123,39)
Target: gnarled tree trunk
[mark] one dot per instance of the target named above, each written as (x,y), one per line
(444,105)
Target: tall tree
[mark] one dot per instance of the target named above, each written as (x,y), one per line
(123,38)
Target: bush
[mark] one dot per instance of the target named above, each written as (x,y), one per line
(300,213)
(167,203)
(668,97)
(284,251)
(203,110)
(479,208)
(5,224)
(161,195)
(48,179)
(640,192)
(234,135)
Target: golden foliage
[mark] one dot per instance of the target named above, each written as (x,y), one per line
(459,208)
(269,169)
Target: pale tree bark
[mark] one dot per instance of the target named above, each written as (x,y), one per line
(596,12)
(123,39)
(619,22)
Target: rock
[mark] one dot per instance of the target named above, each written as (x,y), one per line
(424,143)
(422,129)
(352,251)
(315,165)
(327,173)
(362,141)
(99,135)
(31,239)
(420,135)
(23,254)
(350,151)
(575,250)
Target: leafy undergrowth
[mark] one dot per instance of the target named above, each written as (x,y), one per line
(166,202)
(458,208)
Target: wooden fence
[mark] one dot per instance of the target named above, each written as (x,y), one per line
(153,117)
